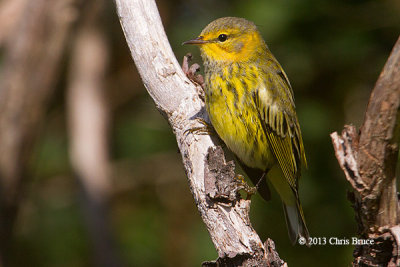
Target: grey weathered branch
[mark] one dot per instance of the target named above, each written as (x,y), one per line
(369,159)
(224,214)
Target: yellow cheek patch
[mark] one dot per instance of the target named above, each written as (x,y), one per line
(235,49)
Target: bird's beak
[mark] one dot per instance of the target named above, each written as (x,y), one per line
(197,41)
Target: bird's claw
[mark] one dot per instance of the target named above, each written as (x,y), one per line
(206,129)
(192,72)
(242,185)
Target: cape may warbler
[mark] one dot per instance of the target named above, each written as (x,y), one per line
(251,106)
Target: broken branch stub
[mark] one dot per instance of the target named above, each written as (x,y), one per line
(368,159)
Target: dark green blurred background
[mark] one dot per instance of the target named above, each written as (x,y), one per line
(332,51)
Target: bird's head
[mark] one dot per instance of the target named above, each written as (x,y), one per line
(229,39)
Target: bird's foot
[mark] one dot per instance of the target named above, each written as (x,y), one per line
(242,185)
(206,129)
(191,72)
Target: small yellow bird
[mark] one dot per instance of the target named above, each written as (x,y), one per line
(250,103)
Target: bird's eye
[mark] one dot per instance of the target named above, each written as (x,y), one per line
(222,37)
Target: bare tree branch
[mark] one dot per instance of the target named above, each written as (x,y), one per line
(369,159)
(223,212)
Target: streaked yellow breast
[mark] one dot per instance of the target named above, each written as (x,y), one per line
(234,115)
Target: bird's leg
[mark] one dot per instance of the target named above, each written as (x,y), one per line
(198,79)
(206,129)
(250,190)
(259,181)
(191,73)
(242,185)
